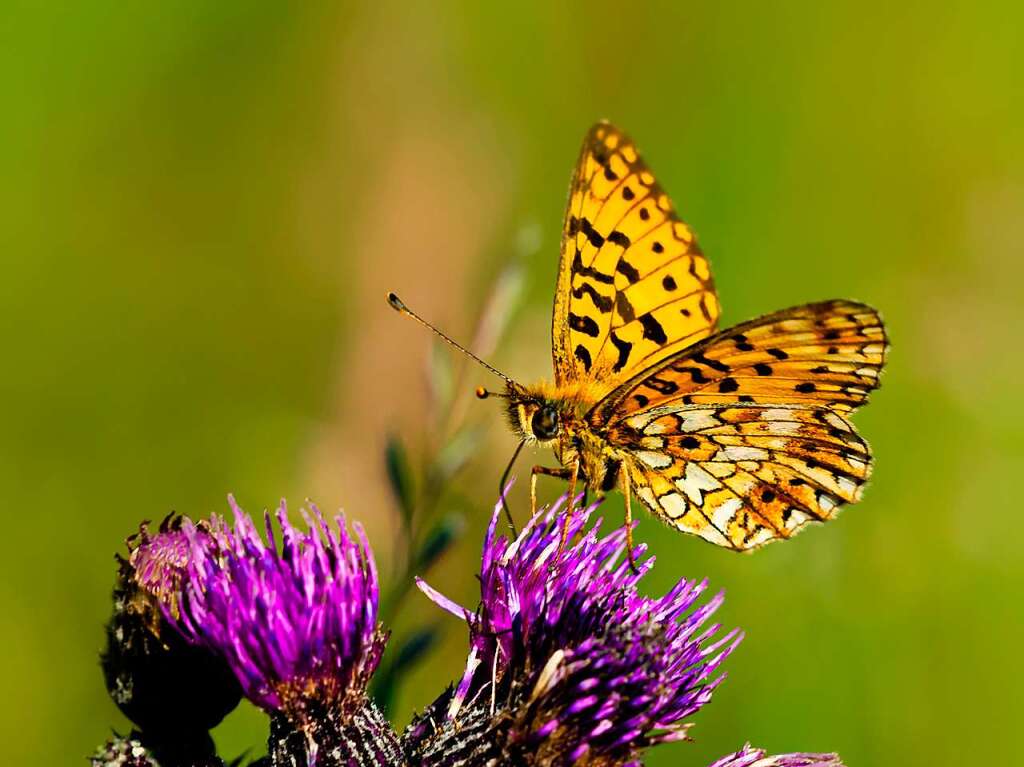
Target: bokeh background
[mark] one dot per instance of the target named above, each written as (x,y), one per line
(204,203)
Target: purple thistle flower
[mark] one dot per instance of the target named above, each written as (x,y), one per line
(174,692)
(297,623)
(755,757)
(582,666)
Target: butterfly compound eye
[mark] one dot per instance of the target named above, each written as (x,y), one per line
(545,423)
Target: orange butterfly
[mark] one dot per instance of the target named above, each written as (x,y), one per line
(739,436)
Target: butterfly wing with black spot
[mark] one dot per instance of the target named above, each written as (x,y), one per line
(828,354)
(742,438)
(633,286)
(741,476)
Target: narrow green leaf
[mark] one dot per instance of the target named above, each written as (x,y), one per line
(440,538)
(400,477)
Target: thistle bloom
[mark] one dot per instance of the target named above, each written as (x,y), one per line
(296,623)
(568,662)
(584,668)
(173,691)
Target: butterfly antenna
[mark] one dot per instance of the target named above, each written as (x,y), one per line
(399,306)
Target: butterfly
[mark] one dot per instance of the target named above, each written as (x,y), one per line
(739,436)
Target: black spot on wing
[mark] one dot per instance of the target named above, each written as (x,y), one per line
(653,331)
(696,375)
(586,271)
(583,356)
(778,354)
(585,325)
(728,385)
(624,348)
(661,385)
(624,307)
(718,365)
(627,270)
(603,303)
(591,233)
(763,369)
(618,238)
(742,344)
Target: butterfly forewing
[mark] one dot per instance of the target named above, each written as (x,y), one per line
(742,475)
(633,286)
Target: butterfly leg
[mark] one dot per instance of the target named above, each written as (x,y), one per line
(626,491)
(574,474)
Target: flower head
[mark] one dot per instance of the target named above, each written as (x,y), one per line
(158,680)
(588,670)
(297,623)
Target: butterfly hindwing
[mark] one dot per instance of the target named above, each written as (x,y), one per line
(633,285)
(740,476)
(827,354)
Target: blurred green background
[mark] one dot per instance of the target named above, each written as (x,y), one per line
(205,202)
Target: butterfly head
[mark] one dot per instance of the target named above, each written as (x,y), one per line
(536,419)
